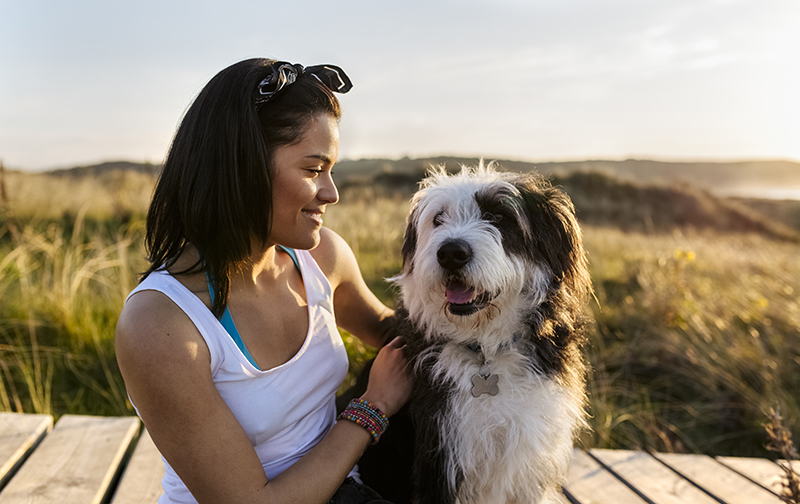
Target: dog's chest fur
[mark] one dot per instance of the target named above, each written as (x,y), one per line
(501,448)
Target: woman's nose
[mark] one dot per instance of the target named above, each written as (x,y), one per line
(327,190)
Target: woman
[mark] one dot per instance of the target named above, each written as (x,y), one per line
(228,347)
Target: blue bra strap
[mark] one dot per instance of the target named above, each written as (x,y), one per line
(293,255)
(227,322)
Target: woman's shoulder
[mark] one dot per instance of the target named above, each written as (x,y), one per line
(152,327)
(334,256)
(162,358)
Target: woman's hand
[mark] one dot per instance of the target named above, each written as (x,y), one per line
(390,382)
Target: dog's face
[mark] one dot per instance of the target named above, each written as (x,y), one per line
(482,247)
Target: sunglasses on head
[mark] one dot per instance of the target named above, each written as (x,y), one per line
(285,73)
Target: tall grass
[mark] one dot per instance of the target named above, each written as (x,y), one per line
(780,442)
(62,290)
(373,227)
(115,193)
(696,335)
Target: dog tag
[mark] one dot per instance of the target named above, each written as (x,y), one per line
(484,385)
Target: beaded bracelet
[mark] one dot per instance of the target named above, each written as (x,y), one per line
(368,416)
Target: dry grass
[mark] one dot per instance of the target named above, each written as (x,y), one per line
(780,442)
(62,291)
(112,194)
(373,227)
(696,334)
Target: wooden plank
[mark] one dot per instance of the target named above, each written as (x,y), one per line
(75,464)
(656,482)
(717,479)
(794,464)
(20,433)
(764,472)
(560,499)
(589,483)
(141,482)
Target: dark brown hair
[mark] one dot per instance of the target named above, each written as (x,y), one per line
(215,191)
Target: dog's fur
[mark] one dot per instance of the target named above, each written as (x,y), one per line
(505,249)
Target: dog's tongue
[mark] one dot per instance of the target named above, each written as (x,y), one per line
(458,293)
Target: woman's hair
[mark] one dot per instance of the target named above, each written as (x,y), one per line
(215,190)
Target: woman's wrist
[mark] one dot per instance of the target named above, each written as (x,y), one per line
(368,416)
(378,403)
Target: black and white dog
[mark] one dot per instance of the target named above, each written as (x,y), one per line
(493,288)
(494,284)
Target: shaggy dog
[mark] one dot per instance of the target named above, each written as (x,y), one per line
(493,287)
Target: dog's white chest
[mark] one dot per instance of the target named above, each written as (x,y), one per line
(510,437)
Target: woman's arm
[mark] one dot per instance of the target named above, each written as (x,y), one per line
(166,366)
(357,309)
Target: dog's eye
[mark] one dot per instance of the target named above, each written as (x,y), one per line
(494,218)
(438,219)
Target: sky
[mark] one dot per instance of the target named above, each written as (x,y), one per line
(87,81)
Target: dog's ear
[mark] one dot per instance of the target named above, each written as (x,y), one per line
(410,242)
(555,231)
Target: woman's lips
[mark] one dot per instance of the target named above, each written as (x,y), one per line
(315,215)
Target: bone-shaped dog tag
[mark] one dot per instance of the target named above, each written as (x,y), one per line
(484,385)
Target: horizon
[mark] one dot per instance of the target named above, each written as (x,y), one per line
(751,183)
(549,81)
(416,158)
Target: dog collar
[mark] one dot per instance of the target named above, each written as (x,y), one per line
(485,382)
(475,347)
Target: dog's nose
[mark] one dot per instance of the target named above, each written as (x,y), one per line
(453,254)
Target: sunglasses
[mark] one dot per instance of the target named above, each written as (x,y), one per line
(284,74)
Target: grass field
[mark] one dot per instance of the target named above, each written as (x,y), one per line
(696,333)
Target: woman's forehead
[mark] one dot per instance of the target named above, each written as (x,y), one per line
(319,140)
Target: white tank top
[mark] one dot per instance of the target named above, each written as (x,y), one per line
(286,410)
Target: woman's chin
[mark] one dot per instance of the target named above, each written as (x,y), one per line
(301,243)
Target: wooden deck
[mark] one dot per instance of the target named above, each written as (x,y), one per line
(94,460)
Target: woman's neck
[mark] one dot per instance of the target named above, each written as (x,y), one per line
(264,266)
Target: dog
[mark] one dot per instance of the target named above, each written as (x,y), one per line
(493,288)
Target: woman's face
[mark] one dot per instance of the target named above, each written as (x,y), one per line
(302,185)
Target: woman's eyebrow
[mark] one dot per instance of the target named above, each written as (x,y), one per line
(321,157)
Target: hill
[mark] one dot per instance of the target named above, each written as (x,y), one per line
(635,195)
(603,200)
(721,178)
(105,168)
